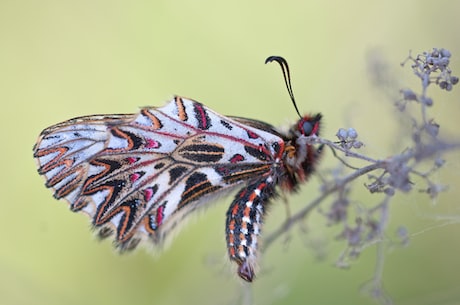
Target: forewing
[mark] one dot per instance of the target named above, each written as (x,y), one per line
(140,174)
(260,125)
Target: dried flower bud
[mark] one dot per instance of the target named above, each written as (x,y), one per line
(408,95)
(357,144)
(426,100)
(352,133)
(445,53)
(389,191)
(432,128)
(342,134)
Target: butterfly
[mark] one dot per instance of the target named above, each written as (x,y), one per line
(137,176)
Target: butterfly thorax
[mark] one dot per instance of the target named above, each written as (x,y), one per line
(299,156)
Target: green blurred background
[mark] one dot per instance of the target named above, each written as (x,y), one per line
(61,59)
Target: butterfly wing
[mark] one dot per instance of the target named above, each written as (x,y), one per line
(260,125)
(138,175)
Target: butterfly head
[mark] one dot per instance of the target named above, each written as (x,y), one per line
(309,125)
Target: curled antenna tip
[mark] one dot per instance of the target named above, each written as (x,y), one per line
(287,77)
(279,59)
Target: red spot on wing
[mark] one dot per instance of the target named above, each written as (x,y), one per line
(148,194)
(151,143)
(252,135)
(237,158)
(134,177)
(132,160)
(160,215)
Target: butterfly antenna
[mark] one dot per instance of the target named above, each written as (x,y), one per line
(287,77)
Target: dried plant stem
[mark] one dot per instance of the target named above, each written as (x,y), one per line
(331,189)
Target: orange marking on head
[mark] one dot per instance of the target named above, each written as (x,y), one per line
(290,151)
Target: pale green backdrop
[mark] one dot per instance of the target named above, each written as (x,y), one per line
(60,59)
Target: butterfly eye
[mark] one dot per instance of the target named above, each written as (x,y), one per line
(307,128)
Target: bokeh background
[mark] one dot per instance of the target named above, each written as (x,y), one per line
(61,59)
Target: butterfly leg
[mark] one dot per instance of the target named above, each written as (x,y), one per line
(243,225)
